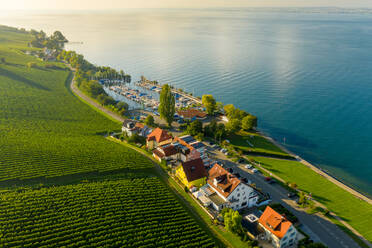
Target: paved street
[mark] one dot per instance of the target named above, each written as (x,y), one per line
(317,227)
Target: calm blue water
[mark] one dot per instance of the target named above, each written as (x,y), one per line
(307,76)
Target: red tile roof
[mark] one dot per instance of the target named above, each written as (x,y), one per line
(159,135)
(226,182)
(191,113)
(194,169)
(274,222)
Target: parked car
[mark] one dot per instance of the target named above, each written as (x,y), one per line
(267,179)
(291,195)
(272,181)
(254,170)
(241,160)
(248,166)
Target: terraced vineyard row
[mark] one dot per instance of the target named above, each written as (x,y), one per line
(44,130)
(122,213)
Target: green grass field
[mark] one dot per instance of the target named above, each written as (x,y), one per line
(357,213)
(255,143)
(120,213)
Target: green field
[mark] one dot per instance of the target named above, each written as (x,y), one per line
(254,143)
(120,213)
(51,145)
(357,213)
(45,131)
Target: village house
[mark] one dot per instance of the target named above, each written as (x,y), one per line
(191,144)
(131,127)
(158,137)
(277,229)
(192,114)
(192,173)
(166,152)
(230,191)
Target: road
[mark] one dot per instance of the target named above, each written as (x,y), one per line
(89,100)
(320,229)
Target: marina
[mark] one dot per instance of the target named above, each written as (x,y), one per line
(145,95)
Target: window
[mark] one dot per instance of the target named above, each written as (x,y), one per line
(292,234)
(244,203)
(244,198)
(284,239)
(238,195)
(291,241)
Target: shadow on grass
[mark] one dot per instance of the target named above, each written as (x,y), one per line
(24,80)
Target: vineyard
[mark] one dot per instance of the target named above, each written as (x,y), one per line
(45,131)
(121,213)
(50,136)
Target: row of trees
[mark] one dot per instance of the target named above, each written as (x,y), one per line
(86,73)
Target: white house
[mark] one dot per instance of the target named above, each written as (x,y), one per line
(131,127)
(166,152)
(277,229)
(234,193)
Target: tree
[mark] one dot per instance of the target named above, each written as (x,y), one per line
(229,108)
(122,106)
(302,198)
(58,36)
(233,125)
(219,107)
(220,131)
(149,121)
(195,128)
(211,129)
(209,103)
(249,122)
(232,221)
(167,106)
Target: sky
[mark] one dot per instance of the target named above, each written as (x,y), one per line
(125,4)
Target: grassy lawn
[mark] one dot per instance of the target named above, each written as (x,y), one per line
(354,211)
(255,143)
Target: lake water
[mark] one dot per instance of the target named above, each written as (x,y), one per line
(307,76)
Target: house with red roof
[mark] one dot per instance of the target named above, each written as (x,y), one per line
(230,191)
(158,137)
(192,173)
(192,114)
(277,229)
